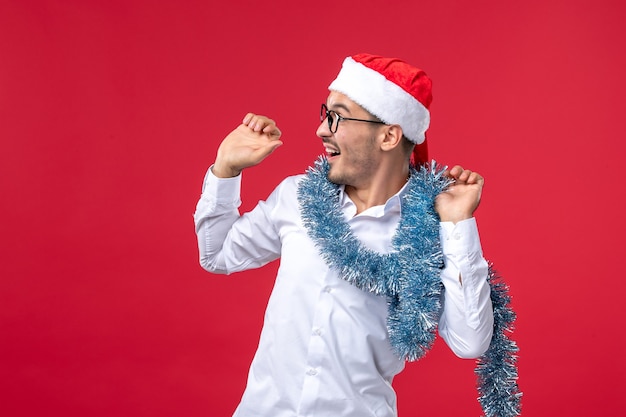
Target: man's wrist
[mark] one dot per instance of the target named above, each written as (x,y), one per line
(224,172)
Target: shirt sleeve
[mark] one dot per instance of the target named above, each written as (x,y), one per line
(227,241)
(466,322)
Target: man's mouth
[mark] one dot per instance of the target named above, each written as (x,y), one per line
(331,151)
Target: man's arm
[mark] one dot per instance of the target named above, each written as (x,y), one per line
(222,247)
(466,322)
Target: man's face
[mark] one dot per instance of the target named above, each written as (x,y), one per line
(352,151)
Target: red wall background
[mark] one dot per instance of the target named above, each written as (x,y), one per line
(111,111)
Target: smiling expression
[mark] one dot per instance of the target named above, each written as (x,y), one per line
(352,151)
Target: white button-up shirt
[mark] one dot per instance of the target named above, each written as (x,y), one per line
(324,348)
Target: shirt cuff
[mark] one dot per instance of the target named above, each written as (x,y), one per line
(460,238)
(222,190)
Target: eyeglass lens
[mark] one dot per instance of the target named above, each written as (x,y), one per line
(328,115)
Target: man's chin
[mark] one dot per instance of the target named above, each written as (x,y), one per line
(335,177)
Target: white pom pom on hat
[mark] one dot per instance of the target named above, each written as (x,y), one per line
(392,90)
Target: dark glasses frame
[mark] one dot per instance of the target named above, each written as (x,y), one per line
(334,118)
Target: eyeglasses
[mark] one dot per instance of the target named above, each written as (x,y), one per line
(334,119)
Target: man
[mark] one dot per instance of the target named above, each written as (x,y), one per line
(354,296)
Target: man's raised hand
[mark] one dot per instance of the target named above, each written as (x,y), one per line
(249,144)
(462,197)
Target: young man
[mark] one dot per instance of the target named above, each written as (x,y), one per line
(367,246)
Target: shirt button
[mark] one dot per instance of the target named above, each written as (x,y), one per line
(317,331)
(328,289)
(456,236)
(311,372)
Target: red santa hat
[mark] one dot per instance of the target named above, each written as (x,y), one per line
(393,91)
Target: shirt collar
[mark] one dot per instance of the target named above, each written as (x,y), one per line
(392,206)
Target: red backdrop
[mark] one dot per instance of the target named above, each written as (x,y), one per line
(111,111)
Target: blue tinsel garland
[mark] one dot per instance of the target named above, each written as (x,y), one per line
(409,277)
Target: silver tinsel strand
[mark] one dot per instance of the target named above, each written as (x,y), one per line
(499,394)
(410,277)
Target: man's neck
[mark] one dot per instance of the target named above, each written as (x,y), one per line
(380,189)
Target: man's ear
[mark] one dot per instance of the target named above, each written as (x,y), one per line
(392,138)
